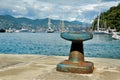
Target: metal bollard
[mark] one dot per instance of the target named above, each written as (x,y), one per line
(76,62)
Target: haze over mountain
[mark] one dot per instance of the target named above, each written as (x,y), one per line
(7,21)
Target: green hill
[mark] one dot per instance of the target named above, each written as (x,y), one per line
(7,21)
(109,19)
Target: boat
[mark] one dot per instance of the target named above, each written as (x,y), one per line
(17,31)
(49,29)
(33,31)
(110,31)
(22,30)
(116,36)
(62,27)
(9,30)
(2,30)
(99,30)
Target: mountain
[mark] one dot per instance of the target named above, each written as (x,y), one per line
(7,21)
(111,18)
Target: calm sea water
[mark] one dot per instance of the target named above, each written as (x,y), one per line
(102,45)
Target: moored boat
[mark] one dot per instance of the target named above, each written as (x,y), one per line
(2,30)
(50,29)
(22,30)
(116,36)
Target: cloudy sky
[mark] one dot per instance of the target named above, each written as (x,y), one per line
(81,10)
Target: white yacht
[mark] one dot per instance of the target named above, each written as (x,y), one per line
(62,27)
(116,36)
(10,30)
(99,30)
(33,31)
(49,29)
(22,30)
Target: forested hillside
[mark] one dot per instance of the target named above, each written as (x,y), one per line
(109,19)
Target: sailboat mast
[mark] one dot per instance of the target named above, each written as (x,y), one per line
(98,20)
(49,22)
(62,27)
(62,22)
(98,23)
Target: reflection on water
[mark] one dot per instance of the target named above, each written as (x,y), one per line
(102,45)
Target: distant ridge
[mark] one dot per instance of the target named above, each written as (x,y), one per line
(7,21)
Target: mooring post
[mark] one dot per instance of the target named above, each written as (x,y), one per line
(76,52)
(76,62)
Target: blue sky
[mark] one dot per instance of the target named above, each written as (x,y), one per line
(81,10)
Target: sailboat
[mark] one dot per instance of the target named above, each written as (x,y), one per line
(62,27)
(99,30)
(10,30)
(50,29)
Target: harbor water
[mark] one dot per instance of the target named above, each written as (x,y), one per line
(102,45)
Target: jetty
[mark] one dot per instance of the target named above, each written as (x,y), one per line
(41,67)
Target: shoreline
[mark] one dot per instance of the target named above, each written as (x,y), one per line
(43,67)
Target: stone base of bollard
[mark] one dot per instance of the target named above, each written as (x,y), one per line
(76,63)
(81,68)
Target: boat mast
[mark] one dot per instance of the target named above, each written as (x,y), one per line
(49,23)
(62,25)
(98,20)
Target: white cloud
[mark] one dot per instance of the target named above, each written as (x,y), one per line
(82,10)
(88,7)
